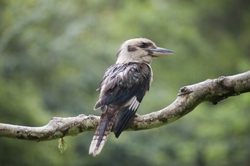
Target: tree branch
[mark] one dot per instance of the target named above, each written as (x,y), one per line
(213,90)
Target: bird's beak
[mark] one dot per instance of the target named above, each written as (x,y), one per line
(158,52)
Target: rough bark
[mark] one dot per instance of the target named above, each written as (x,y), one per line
(212,90)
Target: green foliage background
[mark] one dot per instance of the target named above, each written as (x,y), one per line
(54,53)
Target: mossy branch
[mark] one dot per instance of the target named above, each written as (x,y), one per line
(189,97)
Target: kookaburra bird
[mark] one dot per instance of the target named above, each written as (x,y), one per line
(123,87)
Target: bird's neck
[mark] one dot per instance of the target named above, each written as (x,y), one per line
(123,61)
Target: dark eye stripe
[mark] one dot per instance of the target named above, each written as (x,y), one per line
(131,48)
(144,45)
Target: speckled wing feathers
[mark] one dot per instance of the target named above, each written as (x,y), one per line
(121,91)
(122,82)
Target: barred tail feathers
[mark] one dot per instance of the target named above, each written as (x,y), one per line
(101,134)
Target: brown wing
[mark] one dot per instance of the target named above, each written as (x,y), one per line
(124,85)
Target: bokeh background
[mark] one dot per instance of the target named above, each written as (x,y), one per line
(54,53)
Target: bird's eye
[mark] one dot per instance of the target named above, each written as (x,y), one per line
(143,45)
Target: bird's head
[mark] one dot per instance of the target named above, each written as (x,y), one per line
(140,50)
